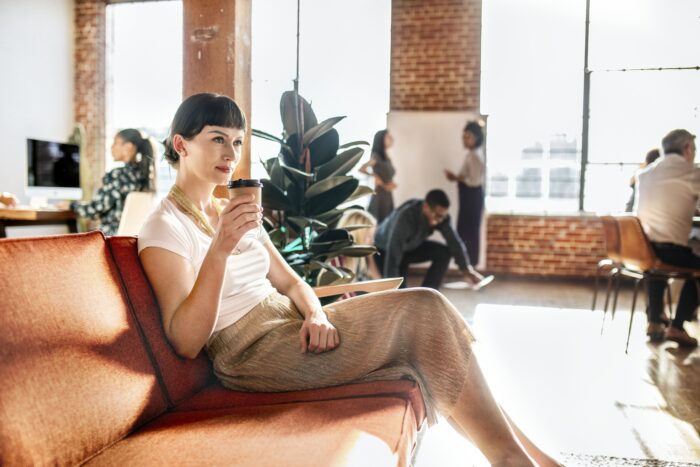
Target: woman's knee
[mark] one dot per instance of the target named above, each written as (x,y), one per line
(424,299)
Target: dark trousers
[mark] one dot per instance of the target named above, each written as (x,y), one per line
(471,206)
(437,253)
(674,255)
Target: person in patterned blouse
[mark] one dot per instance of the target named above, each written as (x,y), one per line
(138,174)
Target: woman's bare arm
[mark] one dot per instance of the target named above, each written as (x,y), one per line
(190,302)
(364,168)
(317,333)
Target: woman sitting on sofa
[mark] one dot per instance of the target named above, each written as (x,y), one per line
(223,286)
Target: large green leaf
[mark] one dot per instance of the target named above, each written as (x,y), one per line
(356,251)
(302,222)
(334,276)
(277,174)
(273,197)
(329,198)
(277,238)
(295,198)
(340,164)
(291,159)
(318,130)
(353,227)
(267,136)
(324,186)
(293,246)
(332,235)
(359,192)
(330,241)
(323,248)
(354,143)
(296,175)
(268,164)
(324,148)
(330,217)
(288,109)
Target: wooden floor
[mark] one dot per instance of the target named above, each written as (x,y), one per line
(571,388)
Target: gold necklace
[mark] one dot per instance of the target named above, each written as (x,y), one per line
(189,207)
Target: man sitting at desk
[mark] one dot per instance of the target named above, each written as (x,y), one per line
(668,192)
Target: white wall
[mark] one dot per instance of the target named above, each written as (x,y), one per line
(425,144)
(36,87)
(36,81)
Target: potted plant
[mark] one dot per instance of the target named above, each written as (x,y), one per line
(307,190)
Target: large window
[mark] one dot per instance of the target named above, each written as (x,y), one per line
(532,92)
(144,73)
(644,83)
(344,65)
(532,55)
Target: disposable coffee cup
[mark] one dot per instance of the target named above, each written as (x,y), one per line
(242,187)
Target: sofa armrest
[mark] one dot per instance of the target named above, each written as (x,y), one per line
(376,285)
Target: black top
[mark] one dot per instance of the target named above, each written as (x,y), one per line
(406,228)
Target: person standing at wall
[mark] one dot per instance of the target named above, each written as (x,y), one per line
(380,166)
(470,181)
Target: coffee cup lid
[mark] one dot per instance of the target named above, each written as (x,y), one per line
(241,183)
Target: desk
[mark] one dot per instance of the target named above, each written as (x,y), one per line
(19,217)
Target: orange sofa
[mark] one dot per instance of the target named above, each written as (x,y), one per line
(87,377)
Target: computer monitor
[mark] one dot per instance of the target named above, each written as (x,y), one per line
(53,170)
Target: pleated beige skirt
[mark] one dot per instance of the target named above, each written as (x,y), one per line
(410,333)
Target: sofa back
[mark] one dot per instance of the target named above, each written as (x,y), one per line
(75,375)
(182,378)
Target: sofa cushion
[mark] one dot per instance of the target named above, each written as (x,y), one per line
(182,377)
(76,376)
(371,431)
(217,396)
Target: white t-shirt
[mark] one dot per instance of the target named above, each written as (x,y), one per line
(472,170)
(245,282)
(667,193)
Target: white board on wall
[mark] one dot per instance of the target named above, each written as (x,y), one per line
(425,144)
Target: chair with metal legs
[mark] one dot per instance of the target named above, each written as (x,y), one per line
(611,264)
(640,263)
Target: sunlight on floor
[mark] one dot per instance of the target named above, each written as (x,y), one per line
(573,389)
(442,446)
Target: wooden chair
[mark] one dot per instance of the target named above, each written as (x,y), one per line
(611,264)
(639,261)
(137,206)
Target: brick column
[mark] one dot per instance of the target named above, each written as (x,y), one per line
(435,54)
(217,54)
(89,88)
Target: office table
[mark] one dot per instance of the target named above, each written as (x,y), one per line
(25,216)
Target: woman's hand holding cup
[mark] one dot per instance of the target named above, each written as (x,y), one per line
(241,215)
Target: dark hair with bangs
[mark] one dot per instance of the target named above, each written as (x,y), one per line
(198,111)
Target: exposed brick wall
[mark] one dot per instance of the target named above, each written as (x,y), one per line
(435,54)
(89,85)
(544,245)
